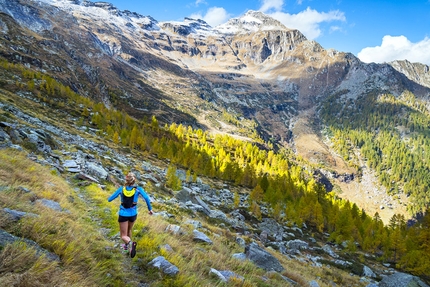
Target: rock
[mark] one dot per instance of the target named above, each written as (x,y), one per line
(262,258)
(225,275)
(329,251)
(201,237)
(96,170)
(206,208)
(166,248)
(183,195)
(165,266)
(313,283)
(217,214)
(195,223)
(175,229)
(164,214)
(83,176)
(4,139)
(50,204)
(70,164)
(240,241)
(342,262)
(7,238)
(402,279)
(297,244)
(239,256)
(17,215)
(367,272)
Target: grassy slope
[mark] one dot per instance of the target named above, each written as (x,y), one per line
(85,237)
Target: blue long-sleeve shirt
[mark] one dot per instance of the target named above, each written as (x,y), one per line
(132,211)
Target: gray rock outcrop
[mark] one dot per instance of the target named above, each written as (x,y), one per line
(165,266)
(201,237)
(262,258)
(402,279)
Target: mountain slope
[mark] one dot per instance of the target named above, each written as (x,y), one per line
(251,77)
(62,154)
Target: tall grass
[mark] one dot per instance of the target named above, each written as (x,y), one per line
(87,258)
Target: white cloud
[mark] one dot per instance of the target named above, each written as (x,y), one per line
(335,29)
(308,21)
(214,16)
(397,48)
(271,4)
(198,2)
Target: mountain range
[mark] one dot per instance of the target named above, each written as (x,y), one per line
(360,128)
(251,77)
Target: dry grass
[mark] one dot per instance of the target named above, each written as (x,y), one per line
(71,235)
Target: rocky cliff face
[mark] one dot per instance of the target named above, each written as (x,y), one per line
(416,72)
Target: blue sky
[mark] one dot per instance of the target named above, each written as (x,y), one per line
(375,31)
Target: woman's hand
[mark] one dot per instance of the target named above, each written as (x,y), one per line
(150,212)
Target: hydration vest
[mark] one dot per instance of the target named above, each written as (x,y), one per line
(127,197)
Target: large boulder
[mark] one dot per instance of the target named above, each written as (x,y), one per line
(262,258)
(97,170)
(201,237)
(297,244)
(165,266)
(184,195)
(402,279)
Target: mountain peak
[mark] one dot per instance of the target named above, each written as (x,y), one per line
(251,21)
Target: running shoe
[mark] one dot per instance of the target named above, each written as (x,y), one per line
(133,249)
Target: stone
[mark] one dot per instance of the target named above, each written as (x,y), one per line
(17,215)
(96,170)
(83,176)
(329,251)
(175,229)
(195,223)
(7,238)
(262,258)
(206,208)
(225,275)
(367,272)
(166,248)
(183,195)
(165,266)
(402,279)
(297,244)
(201,237)
(50,204)
(70,164)
(239,256)
(240,241)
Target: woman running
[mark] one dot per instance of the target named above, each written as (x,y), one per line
(128,210)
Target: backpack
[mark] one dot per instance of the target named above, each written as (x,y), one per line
(127,197)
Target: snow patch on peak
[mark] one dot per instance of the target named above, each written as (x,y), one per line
(251,21)
(105,12)
(189,26)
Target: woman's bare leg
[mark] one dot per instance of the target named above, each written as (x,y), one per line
(124,231)
(130,229)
